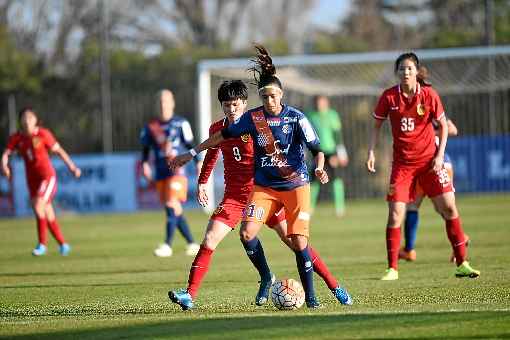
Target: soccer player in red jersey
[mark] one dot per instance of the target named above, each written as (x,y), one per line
(412,106)
(33,143)
(238,157)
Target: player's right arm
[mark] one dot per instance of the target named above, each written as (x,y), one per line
(205,172)
(380,114)
(5,163)
(11,146)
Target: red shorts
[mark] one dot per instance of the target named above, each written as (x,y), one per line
(449,168)
(266,202)
(44,188)
(172,187)
(405,179)
(231,210)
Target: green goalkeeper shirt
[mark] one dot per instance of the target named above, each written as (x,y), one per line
(328,126)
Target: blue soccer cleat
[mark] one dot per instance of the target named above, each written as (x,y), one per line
(182,298)
(64,249)
(342,296)
(263,293)
(39,250)
(313,303)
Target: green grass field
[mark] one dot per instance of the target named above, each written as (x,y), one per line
(111,286)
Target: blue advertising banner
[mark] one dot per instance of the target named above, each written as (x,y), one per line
(481,164)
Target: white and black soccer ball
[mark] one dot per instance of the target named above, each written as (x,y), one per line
(287,294)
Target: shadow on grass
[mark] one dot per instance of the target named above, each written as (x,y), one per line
(290,325)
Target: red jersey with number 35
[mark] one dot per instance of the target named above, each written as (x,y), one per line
(237,161)
(34,150)
(411,122)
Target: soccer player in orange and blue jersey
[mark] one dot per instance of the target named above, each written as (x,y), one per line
(412,106)
(167,136)
(238,159)
(33,143)
(281,179)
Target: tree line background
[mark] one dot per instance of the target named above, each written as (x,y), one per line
(59,56)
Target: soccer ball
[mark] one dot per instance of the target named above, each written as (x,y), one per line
(287,294)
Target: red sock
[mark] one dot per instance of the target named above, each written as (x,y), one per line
(199,268)
(457,239)
(56,232)
(393,246)
(42,230)
(322,269)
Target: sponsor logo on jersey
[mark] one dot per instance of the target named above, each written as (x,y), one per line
(287,120)
(245,138)
(420,109)
(273,121)
(36,141)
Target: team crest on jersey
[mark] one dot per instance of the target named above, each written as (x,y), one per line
(218,209)
(420,109)
(286,129)
(391,189)
(245,138)
(36,141)
(262,140)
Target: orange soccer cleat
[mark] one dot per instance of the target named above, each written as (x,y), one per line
(408,255)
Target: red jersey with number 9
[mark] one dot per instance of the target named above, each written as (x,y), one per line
(34,150)
(237,161)
(411,122)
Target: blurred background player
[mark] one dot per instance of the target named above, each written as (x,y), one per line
(327,123)
(408,252)
(32,142)
(238,159)
(281,176)
(167,136)
(412,106)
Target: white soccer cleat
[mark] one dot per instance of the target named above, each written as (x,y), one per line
(163,250)
(192,249)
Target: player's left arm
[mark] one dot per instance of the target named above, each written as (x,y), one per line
(57,149)
(440,117)
(5,163)
(309,136)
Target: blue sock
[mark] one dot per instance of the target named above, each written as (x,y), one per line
(256,255)
(183,227)
(171,222)
(305,269)
(411,228)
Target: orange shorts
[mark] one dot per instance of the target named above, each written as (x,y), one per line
(449,169)
(265,202)
(175,187)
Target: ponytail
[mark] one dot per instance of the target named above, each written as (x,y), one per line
(264,72)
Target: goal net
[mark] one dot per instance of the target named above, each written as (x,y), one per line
(474,84)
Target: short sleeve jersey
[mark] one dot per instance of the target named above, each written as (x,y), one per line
(34,150)
(291,131)
(327,124)
(238,161)
(411,122)
(178,133)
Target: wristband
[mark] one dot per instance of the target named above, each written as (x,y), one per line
(192,152)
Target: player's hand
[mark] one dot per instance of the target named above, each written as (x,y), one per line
(147,171)
(7,172)
(202,197)
(437,163)
(333,161)
(76,172)
(371,161)
(179,160)
(322,175)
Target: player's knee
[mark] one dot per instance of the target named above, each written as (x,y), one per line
(449,212)
(210,241)
(245,235)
